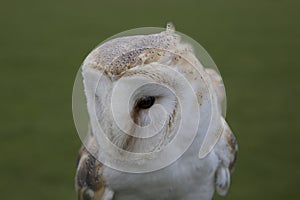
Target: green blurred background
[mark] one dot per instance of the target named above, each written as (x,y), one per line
(254,43)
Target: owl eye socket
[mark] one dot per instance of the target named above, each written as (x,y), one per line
(145,102)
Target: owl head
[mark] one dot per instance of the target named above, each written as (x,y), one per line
(150,100)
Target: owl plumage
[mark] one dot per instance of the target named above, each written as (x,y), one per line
(189,177)
(91,185)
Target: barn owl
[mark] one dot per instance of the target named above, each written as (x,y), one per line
(156,127)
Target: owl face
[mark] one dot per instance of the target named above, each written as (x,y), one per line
(140,111)
(148,98)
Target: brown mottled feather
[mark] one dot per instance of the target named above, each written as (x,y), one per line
(233,149)
(89,181)
(226,150)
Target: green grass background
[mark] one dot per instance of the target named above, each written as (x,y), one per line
(254,43)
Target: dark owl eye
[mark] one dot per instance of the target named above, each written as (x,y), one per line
(145,102)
